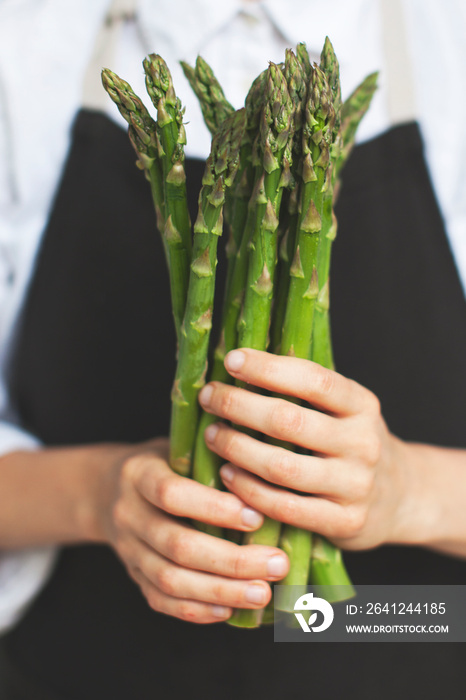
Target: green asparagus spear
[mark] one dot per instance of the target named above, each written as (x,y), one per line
(276,129)
(321,345)
(296,75)
(220,171)
(327,565)
(328,569)
(352,111)
(171,138)
(273,151)
(206,463)
(214,105)
(318,135)
(142,132)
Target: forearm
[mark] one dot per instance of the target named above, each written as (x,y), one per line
(49,496)
(433,513)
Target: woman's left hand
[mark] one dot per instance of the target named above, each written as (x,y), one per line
(350,488)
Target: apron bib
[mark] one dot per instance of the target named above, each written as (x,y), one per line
(94,362)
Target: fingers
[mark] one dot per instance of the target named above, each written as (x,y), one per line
(187,610)
(186,498)
(279,418)
(178,582)
(330,477)
(323,388)
(196,550)
(308,512)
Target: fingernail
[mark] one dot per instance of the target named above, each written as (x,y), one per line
(277,566)
(227,473)
(250,517)
(220,611)
(255,594)
(205,395)
(211,432)
(235,360)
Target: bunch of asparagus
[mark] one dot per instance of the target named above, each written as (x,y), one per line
(273,175)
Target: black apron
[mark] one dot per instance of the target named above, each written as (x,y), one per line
(94,362)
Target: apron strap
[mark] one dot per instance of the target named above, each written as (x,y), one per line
(400,83)
(103,54)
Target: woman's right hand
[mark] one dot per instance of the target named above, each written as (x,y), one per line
(181,571)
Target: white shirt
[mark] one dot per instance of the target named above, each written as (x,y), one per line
(45,46)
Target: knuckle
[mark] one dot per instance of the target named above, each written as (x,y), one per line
(240,563)
(120,514)
(271,369)
(373,404)
(215,509)
(354,521)
(188,611)
(180,546)
(285,509)
(166,492)
(154,601)
(324,381)
(122,549)
(218,592)
(372,448)
(166,580)
(286,419)
(226,402)
(229,442)
(363,482)
(250,492)
(133,466)
(283,468)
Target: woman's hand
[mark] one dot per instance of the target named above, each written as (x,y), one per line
(183,572)
(352,486)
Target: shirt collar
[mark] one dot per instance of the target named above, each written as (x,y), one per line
(185,26)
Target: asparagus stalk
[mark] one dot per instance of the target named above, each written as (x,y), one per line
(327,566)
(318,135)
(273,148)
(214,105)
(321,347)
(352,111)
(328,569)
(215,109)
(296,75)
(276,130)
(206,463)
(142,131)
(286,246)
(221,168)
(171,139)
(240,195)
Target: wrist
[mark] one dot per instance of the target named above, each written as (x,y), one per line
(431,510)
(52,495)
(101,478)
(104,482)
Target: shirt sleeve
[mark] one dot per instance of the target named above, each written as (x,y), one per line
(22,572)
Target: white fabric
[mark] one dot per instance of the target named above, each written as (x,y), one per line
(44,49)
(45,46)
